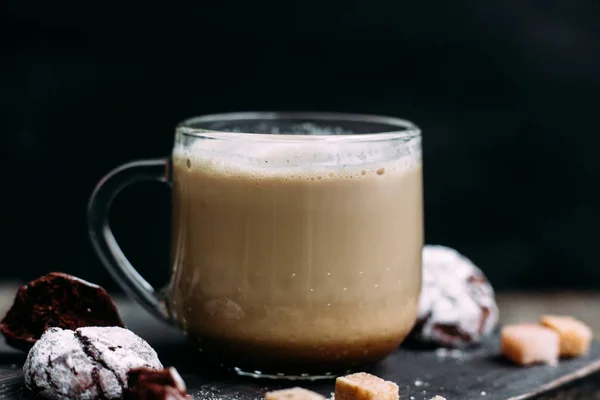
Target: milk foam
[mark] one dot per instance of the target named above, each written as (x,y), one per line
(301,160)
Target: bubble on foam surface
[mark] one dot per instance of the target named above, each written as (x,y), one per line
(316,160)
(301,128)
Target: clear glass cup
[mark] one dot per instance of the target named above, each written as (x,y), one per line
(296,238)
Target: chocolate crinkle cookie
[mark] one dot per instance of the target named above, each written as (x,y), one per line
(56,300)
(457,307)
(147,384)
(88,363)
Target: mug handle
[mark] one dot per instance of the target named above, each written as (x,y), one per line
(103,240)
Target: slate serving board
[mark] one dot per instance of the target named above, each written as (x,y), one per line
(477,374)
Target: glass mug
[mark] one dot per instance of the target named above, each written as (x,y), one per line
(296,238)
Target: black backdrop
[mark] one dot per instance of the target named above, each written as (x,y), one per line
(507,93)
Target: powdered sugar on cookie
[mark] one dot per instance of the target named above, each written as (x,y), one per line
(457,305)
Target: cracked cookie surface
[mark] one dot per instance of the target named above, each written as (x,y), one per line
(89,363)
(457,307)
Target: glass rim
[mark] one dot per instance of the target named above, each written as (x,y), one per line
(398,128)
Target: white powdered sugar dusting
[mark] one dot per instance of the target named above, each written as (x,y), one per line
(454,294)
(50,364)
(452,354)
(88,363)
(119,348)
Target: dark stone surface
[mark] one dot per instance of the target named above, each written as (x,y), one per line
(419,373)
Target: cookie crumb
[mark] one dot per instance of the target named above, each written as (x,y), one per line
(144,383)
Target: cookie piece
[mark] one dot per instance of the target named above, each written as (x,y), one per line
(56,300)
(575,336)
(89,363)
(149,384)
(293,394)
(526,344)
(457,307)
(363,386)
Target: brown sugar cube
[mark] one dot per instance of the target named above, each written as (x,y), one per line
(363,386)
(293,394)
(575,336)
(529,344)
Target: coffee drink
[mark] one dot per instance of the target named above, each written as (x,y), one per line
(301,255)
(296,238)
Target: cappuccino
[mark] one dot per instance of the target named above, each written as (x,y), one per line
(296,255)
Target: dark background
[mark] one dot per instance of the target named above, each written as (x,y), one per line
(507,93)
